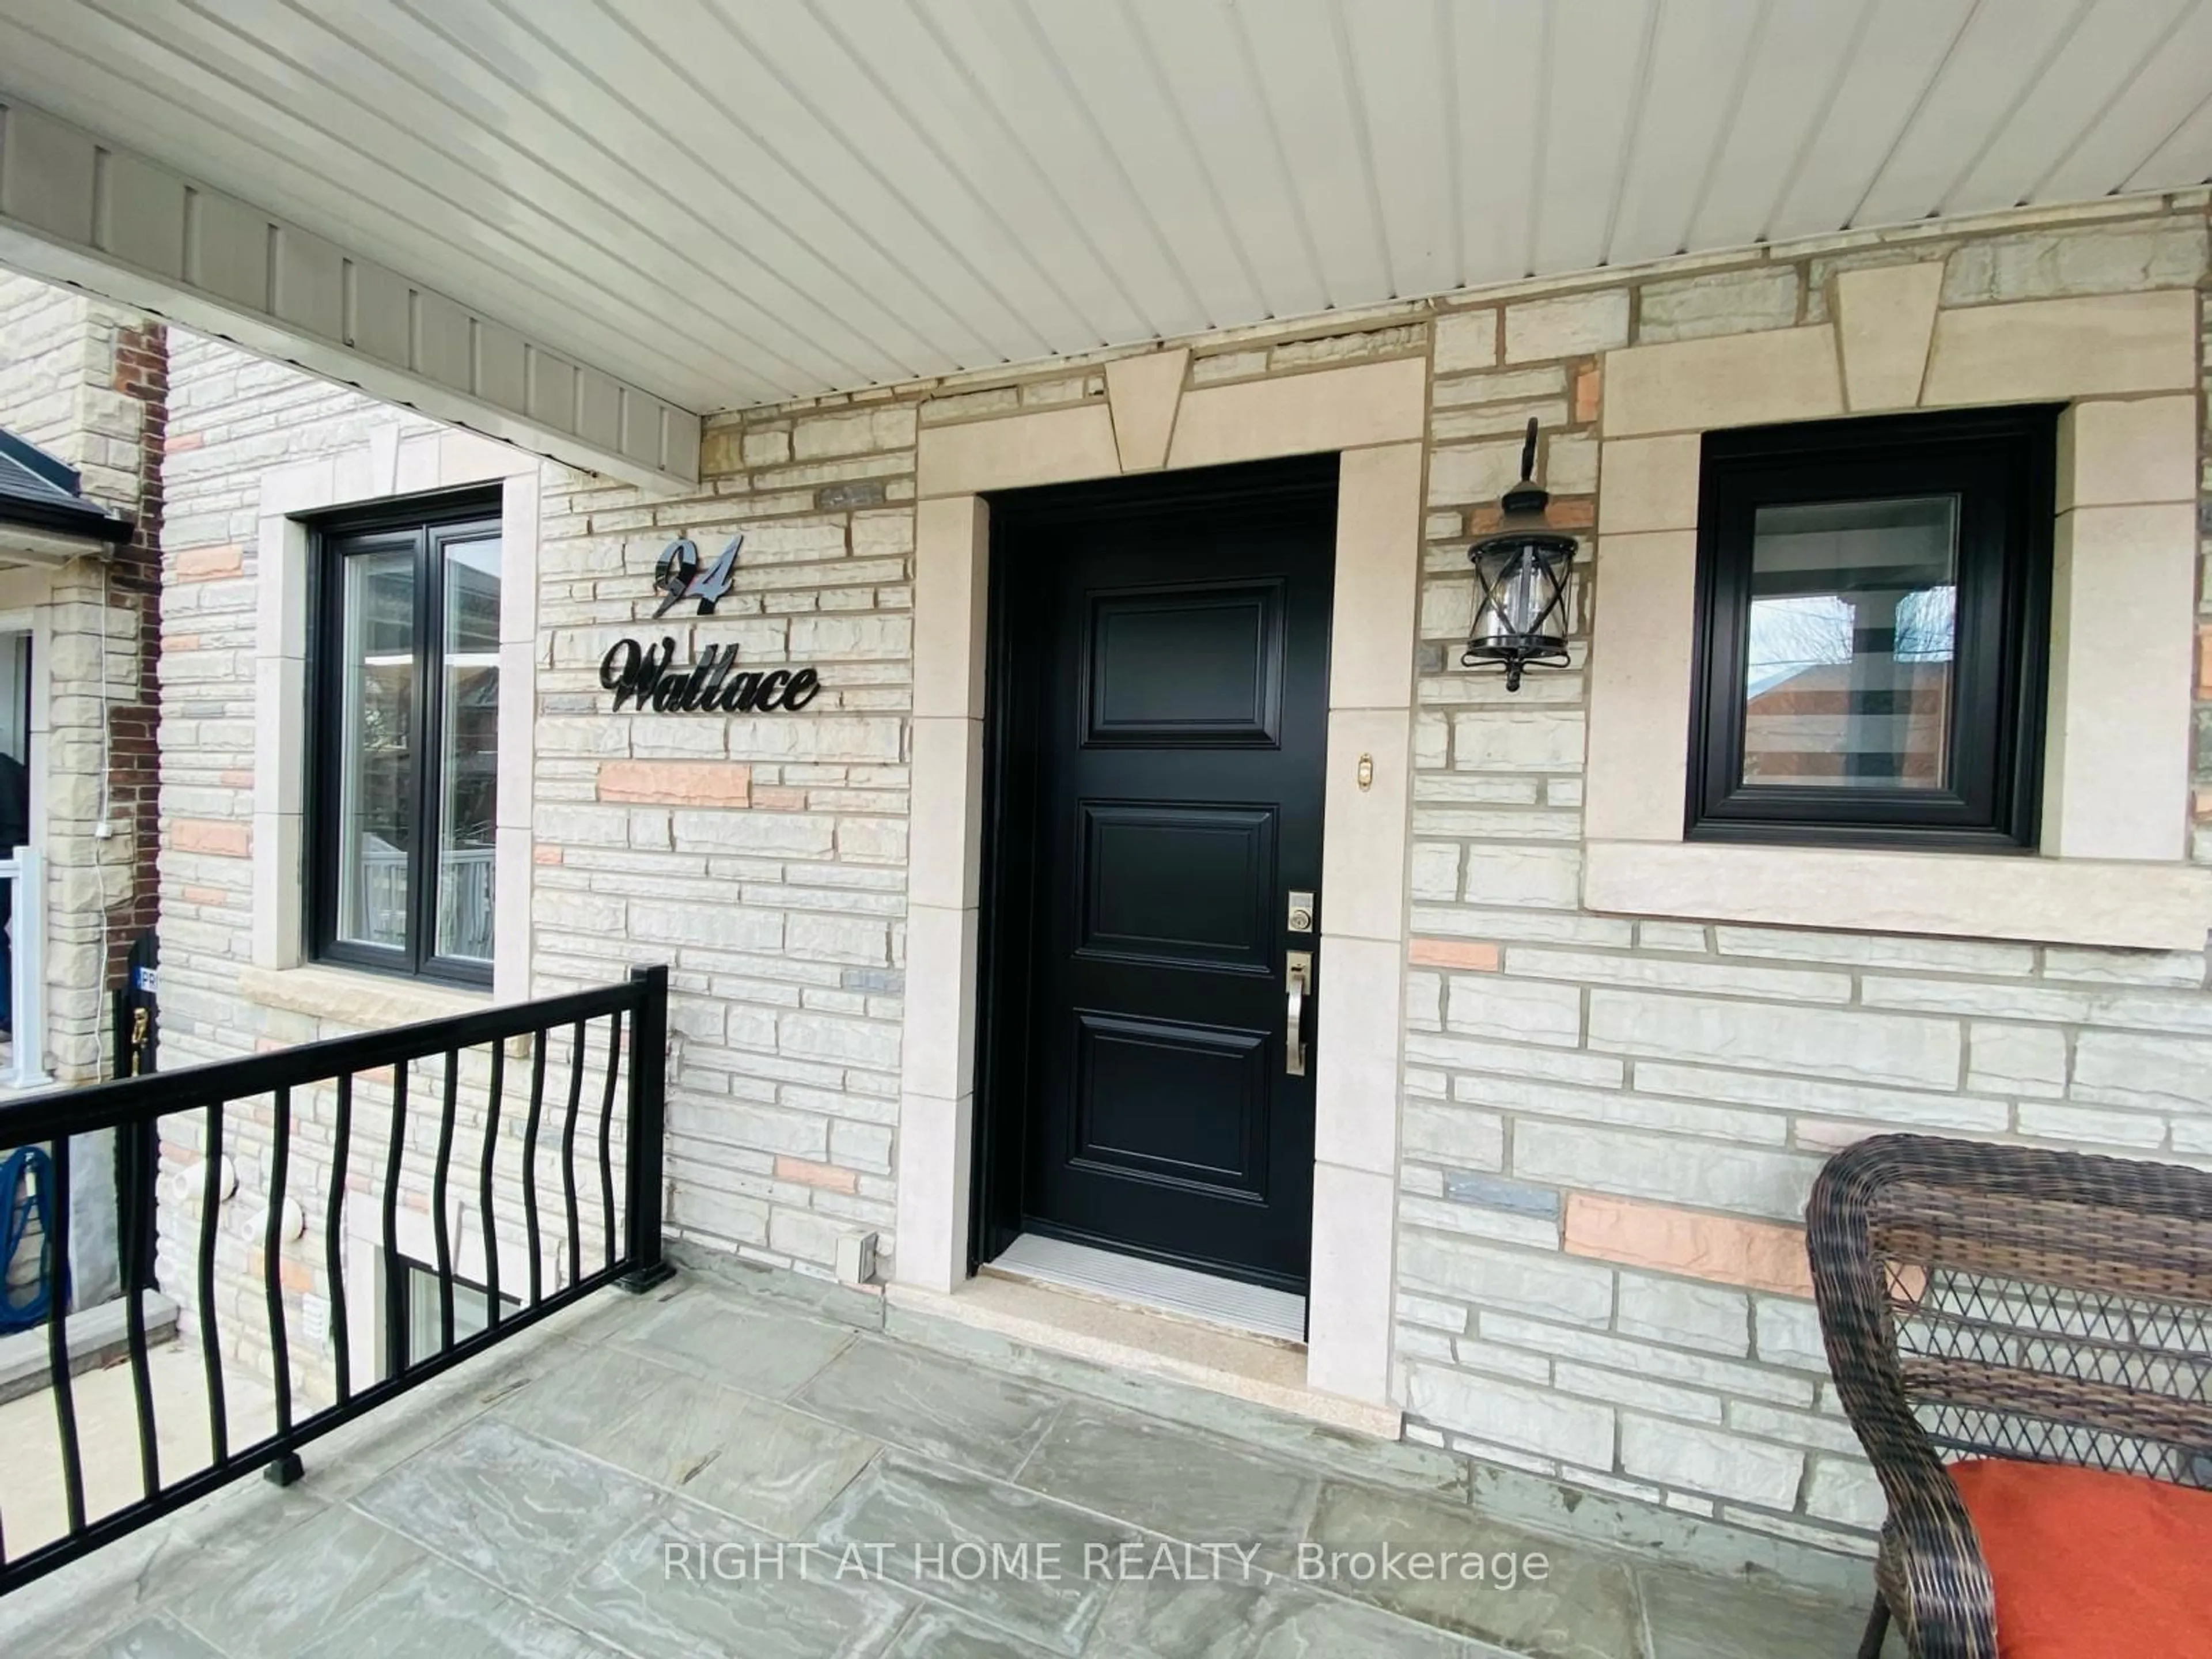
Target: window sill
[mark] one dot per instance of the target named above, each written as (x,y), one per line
(2125,906)
(358,1001)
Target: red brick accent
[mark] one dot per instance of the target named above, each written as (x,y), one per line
(184,442)
(202,564)
(677,783)
(142,373)
(205,895)
(545,855)
(235,778)
(2205,661)
(212,836)
(1575,512)
(825,1176)
(1759,1254)
(1588,385)
(777,798)
(295,1276)
(1462,953)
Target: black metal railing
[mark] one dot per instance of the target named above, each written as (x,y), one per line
(309,1122)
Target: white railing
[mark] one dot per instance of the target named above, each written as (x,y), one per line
(24,874)
(465,903)
(464,899)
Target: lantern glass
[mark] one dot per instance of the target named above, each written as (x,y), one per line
(1520,609)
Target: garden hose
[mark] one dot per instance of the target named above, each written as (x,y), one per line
(26,1179)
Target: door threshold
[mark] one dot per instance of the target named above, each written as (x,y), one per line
(1128,1341)
(1135,1281)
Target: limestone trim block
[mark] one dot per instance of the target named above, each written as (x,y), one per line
(2124,906)
(939,1053)
(1311,413)
(1365,852)
(1355,1082)
(1885,321)
(1142,393)
(1383,403)
(2127,452)
(1348,1322)
(1648,484)
(1051,446)
(1378,557)
(2123,588)
(952,553)
(1139,1342)
(1731,380)
(1639,685)
(357,999)
(2103,346)
(935,1141)
(944,854)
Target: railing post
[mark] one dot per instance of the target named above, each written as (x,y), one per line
(648,1114)
(26,941)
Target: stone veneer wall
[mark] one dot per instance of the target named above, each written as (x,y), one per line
(762,857)
(234,417)
(87,382)
(1600,1274)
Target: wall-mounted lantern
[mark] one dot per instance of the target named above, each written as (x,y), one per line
(1521,574)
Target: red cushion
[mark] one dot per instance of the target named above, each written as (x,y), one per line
(2089,1564)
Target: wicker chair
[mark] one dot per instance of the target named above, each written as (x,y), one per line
(1983,1301)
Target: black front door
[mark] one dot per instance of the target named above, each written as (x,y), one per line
(1160,708)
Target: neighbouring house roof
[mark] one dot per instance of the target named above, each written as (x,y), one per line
(39,493)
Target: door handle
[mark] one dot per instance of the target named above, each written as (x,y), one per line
(1298,973)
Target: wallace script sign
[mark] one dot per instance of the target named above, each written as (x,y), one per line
(644,676)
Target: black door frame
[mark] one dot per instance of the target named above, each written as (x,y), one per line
(1008,895)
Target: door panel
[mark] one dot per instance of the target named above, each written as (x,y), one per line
(1159,714)
(1164,1102)
(1194,665)
(1177,883)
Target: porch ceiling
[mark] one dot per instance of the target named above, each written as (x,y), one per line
(724,201)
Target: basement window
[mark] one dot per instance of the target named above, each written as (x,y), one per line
(415,1326)
(1872,599)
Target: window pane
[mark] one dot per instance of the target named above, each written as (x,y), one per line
(468,750)
(1847,681)
(376,803)
(426,1320)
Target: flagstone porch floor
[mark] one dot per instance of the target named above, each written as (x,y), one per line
(618,1481)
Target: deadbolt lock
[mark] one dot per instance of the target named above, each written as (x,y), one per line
(1302,913)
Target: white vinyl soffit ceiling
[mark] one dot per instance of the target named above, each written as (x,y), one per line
(732,202)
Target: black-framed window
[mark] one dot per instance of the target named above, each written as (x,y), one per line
(1872,599)
(405,724)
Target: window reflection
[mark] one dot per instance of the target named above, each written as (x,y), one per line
(1852,633)
(468,749)
(376,808)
